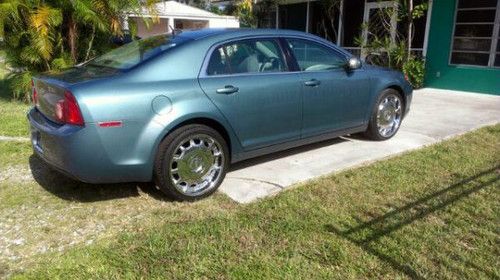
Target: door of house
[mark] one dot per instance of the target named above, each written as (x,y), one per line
(379,22)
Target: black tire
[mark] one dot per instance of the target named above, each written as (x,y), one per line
(372,131)
(166,150)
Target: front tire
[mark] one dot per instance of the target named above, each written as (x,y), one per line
(386,117)
(191,162)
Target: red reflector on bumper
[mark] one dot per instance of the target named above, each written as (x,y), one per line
(110,124)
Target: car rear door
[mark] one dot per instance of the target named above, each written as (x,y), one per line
(248,80)
(334,99)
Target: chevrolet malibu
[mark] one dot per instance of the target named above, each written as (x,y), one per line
(177,109)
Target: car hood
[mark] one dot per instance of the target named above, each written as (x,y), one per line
(375,67)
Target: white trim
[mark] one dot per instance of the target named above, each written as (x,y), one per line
(475,38)
(494,43)
(125,23)
(380,5)
(340,31)
(455,12)
(183,16)
(170,24)
(475,23)
(307,15)
(427,28)
(394,22)
(477,9)
(277,16)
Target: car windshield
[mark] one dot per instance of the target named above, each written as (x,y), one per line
(132,54)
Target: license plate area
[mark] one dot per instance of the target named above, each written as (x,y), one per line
(36,140)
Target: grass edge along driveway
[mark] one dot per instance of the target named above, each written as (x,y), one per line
(430,213)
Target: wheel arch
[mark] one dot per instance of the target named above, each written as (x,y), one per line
(210,122)
(400,92)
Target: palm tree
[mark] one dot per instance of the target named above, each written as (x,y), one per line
(42,35)
(100,15)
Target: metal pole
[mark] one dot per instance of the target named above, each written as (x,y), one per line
(277,16)
(307,16)
(427,28)
(341,23)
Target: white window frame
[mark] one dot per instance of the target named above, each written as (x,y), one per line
(494,38)
(381,5)
(366,17)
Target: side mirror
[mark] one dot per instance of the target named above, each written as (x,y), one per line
(353,63)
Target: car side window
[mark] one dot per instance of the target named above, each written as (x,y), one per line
(249,56)
(315,57)
(218,64)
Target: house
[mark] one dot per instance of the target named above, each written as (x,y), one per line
(459,39)
(340,22)
(178,16)
(464,46)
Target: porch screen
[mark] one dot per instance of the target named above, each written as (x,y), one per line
(476,33)
(293,16)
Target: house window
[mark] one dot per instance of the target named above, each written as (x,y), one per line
(476,33)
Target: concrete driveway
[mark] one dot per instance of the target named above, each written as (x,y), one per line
(435,115)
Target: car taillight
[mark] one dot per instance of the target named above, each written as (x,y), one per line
(34,94)
(67,110)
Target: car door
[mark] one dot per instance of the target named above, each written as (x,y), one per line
(248,80)
(334,98)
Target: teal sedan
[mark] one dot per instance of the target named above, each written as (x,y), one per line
(178,109)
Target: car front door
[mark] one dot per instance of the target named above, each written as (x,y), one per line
(334,99)
(249,81)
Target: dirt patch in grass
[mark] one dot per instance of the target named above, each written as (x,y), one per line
(431,213)
(41,211)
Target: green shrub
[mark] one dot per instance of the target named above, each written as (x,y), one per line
(414,70)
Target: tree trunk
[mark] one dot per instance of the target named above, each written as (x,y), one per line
(410,27)
(72,38)
(90,43)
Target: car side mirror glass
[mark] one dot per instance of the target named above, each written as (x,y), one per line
(353,63)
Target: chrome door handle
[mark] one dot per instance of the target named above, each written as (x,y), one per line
(228,90)
(312,83)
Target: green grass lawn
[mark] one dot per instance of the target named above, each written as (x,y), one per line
(13,120)
(431,213)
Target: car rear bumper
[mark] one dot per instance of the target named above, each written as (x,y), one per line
(78,152)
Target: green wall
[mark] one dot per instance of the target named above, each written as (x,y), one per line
(466,78)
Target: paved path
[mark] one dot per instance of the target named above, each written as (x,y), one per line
(435,115)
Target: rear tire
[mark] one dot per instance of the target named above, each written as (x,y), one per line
(191,162)
(386,117)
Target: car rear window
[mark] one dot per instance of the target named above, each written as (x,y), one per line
(136,52)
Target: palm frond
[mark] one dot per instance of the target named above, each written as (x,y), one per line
(12,12)
(20,84)
(86,12)
(43,20)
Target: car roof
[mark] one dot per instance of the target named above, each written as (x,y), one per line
(214,35)
(196,34)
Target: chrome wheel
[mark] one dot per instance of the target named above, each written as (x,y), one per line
(389,113)
(196,165)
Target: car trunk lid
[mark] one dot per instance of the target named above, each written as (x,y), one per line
(51,88)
